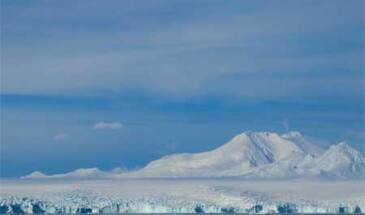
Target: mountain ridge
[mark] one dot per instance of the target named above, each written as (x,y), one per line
(260,155)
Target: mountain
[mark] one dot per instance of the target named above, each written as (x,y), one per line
(237,157)
(88,173)
(36,174)
(263,155)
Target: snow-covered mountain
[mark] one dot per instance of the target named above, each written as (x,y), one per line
(76,174)
(239,156)
(264,155)
(87,173)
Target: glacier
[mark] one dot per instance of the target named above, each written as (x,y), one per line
(179,196)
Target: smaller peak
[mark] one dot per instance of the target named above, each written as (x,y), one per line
(342,144)
(35,174)
(119,170)
(343,147)
(87,170)
(248,132)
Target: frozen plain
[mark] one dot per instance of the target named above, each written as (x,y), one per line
(179,195)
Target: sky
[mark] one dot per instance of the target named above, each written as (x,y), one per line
(119,83)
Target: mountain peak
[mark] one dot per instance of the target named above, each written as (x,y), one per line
(250,136)
(86,171)
(343,147)
(262,133)
(254,135)
(342,144)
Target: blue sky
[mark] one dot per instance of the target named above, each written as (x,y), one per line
(172,76)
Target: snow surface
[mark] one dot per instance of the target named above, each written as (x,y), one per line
(180,195)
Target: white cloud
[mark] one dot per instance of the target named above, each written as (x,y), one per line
(108,125)
(60,137)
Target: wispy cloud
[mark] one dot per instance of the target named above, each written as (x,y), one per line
(246,50)
(108,125)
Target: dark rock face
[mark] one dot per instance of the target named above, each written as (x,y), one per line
(16,209)
(357,210)
(4,209)
(37,209)
(227,210)
(343,210)
(84,211)
(198,209)
(258,208)
(287,209)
